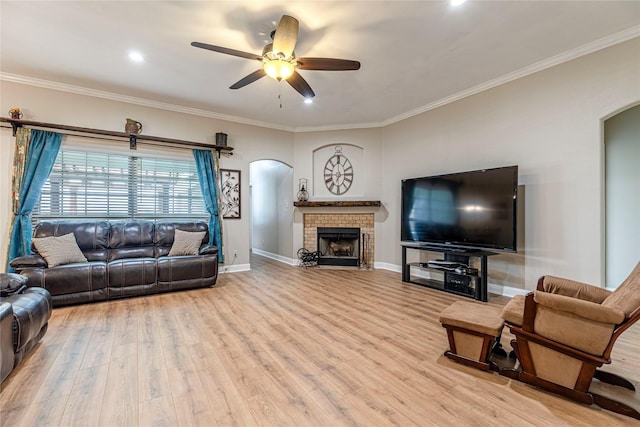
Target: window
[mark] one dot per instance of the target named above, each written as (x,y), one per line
(111,186)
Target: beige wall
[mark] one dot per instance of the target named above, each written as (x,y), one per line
(549,123)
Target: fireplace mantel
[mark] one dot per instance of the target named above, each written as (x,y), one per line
(337,204)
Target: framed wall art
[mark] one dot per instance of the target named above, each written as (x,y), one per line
(230,193)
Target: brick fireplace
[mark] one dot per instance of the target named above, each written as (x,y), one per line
(363,221)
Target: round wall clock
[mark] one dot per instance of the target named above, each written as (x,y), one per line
(338,173)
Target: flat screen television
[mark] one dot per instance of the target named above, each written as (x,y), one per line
(467,210)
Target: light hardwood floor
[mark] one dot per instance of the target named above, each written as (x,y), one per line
(280,346)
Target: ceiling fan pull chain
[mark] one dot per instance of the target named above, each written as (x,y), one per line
(280,94)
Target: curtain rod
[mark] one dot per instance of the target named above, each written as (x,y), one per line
(133,138)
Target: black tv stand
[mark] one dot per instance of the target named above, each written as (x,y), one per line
(454,274)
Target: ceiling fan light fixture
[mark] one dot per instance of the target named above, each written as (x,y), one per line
(278,69)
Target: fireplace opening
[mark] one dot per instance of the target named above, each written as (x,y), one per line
(339,246)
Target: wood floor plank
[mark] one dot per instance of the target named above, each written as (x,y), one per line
(121,405)
(281,346)
(84,403)
(157,412)
(153,379)
(227,405)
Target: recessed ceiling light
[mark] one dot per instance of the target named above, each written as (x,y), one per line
(135,56)
(308,100)
(456,2)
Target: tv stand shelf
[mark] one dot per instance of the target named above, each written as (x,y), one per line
(467,281)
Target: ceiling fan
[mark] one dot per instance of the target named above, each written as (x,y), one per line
(279,59)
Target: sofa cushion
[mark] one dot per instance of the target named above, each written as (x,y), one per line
(513,312)
(59,250)
(131,276)
(87,281)
(186,243)
(574,289)
(186,272)
(131,239)
(627,296)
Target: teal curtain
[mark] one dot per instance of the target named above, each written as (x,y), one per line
(42,152)
(206,166)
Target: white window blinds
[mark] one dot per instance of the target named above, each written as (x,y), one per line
(110,186)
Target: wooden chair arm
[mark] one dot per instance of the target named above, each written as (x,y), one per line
(570,351)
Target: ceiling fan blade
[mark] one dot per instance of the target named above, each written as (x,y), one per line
(327,64)
(284,40)
(248,79)
(227,51)
(298,83)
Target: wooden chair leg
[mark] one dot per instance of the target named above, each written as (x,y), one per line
(581,394)
(614,379)
(484,366)
(615,406)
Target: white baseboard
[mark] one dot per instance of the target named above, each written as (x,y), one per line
(387,266)
(506,291)
(280,258)
(233,268)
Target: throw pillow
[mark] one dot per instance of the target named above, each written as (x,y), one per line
(59,250)
(186,242)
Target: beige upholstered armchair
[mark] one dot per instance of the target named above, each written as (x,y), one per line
(565,331)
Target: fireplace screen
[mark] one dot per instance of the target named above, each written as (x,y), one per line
(339,246)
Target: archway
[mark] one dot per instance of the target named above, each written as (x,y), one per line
(622,194)
(271,209)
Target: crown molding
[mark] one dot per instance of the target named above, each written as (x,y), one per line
(79,90)
(561,58)
(603,43)
(352,126)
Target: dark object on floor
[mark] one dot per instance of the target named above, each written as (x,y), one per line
(307,258)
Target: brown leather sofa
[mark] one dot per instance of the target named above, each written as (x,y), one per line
(124,258)
(24,318)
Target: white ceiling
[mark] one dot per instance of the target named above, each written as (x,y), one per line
(415,54)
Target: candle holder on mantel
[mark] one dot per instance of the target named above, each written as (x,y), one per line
(303,194)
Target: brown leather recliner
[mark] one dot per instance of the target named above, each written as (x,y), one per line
(6,340)
(24,318)
(124,258)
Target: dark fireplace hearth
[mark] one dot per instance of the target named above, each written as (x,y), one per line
(339,246)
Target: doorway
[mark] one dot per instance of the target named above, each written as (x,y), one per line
(622,195)
(271,209)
